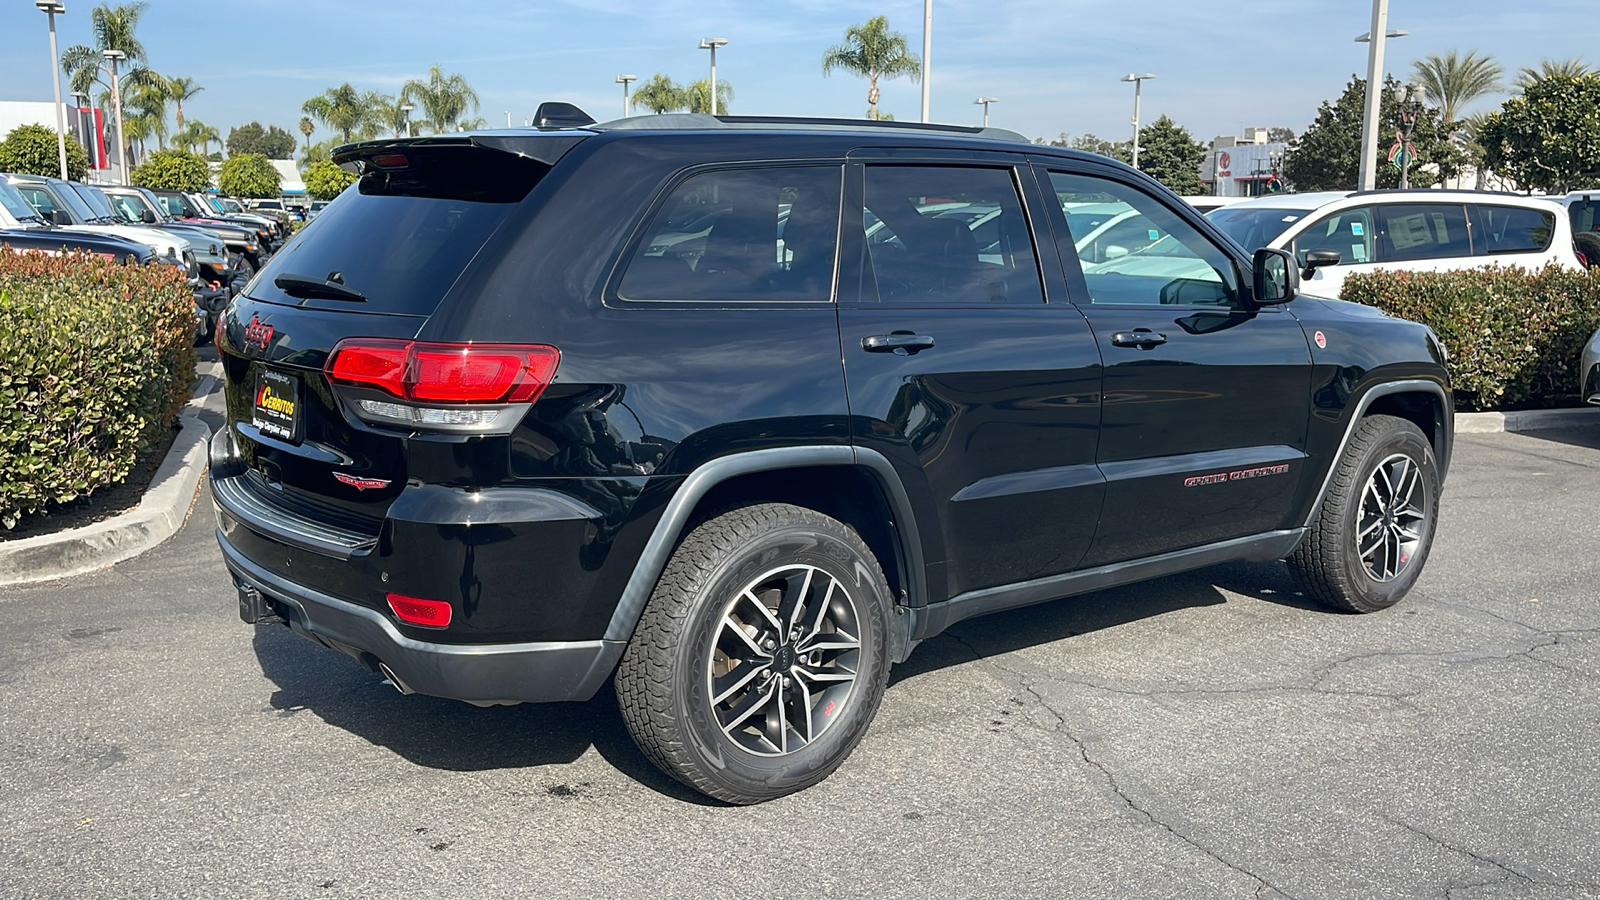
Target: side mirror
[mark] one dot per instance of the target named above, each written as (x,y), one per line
(1276,278)
(1318,258)
(60,217)
(147,217)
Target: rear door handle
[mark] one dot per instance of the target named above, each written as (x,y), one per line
(1141,338)
(903,343)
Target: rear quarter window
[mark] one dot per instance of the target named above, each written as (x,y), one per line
(1517,229)
(402,237)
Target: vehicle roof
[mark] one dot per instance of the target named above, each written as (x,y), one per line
(1318,199)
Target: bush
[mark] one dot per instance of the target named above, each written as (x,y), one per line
(325,180)
(96,361)
(249,175)
(173,170)
(1515,337)
(32,150)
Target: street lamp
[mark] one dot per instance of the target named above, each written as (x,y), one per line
(508,118)
(625,80)
(113,57)
(1367,178)
(712,44)
(984,102)
(405,116)
(927,53)
(1138,79)
(51,8)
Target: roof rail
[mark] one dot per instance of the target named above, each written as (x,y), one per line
(703,122)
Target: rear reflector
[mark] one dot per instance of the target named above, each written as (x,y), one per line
(445,373)
(417,611)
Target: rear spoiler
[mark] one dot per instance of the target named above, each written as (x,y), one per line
(544,147)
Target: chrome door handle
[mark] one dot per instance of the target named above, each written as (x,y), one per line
(1143,339)
(904,343)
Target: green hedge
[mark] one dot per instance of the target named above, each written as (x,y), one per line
(1515,337)
(96,362)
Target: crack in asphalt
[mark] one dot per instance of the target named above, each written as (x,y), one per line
(1021,680)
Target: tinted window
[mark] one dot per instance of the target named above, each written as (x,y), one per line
(39,199)
(738,235)
(1176,264)
(128,207)
(96,201)
(943,234)
(403,237)
(15,204)
(1517,229)
(172,206)
(1348,232)
(1585,213)
(1424,231)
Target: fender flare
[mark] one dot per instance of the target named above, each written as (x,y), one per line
(1442,443)
(670,527)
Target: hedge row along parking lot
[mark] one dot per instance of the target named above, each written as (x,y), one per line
(96,361)
(1514,336)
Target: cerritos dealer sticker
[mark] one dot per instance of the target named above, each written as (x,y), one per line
(1321,339)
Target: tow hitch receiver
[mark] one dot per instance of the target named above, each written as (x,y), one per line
(255,609)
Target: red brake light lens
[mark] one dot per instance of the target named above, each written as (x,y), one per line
(417,611)
(445,373)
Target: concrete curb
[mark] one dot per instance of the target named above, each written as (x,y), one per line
(1526,420)
(160,513)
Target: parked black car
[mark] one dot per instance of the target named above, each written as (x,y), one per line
(741,410)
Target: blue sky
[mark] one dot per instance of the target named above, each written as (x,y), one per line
(1054,64)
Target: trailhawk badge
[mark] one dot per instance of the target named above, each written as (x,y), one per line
(361,484)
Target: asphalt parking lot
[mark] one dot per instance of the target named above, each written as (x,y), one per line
(1206,735)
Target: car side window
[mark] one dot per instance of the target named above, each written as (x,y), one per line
(741,235)
(1516,229)
(1134,249)
(948,234)
(1413,231)
(39,199)
(1348,232)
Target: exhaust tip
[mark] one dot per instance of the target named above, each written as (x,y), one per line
(390,678)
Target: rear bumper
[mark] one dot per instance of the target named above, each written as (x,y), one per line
(484,674)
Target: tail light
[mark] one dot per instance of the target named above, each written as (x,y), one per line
(451,386)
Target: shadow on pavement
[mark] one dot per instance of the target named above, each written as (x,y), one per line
(448,734)
(1586,436)
(1057,620)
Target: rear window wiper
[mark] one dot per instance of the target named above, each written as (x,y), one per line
(307,287)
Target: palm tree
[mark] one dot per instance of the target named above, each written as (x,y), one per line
(306,127)
(698,98)
(443,99)
(660,95)
(196,132)
(113,29)
(145,114)
(873,51)
(1548,68)
(1452,81)
(340,108)
(179,90)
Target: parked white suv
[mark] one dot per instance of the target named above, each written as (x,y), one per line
(1336,233)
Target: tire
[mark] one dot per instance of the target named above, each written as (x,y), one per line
(1587,243)
(715,693)
(1388,460)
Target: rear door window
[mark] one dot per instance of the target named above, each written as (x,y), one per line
(734,235)
(1585,213)
(1516,229)
(1414,231)
(401,238)
(948,234)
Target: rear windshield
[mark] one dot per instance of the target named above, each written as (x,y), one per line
(1252,227)
(402,238)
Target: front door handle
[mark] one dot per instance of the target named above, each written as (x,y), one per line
(903,343)
(1142,338)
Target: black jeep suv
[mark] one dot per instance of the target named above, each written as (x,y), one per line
(739,410)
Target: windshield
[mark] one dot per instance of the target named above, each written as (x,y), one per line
(97,202)
(1255,227)
(130,207)
(15,205)
(177,205)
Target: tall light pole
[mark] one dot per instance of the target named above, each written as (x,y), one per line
(51,8)
(625,80)
(508,118)
(712,44)
(113,57)
(1367,178)
(405,115)
(984,102)
(927,53)
(1138,79)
